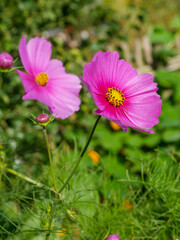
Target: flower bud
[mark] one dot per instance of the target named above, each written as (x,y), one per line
(6,60)
(42,118)
(113,237)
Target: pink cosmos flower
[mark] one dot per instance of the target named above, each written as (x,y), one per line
(46,80)
(113,237)
(121,94)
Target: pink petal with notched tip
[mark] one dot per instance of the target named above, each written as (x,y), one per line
(64,96)
(101,72)
(63,108)
(144,112)
(124,118)
(125,72)
(140,84)
(39,53)
(106,71)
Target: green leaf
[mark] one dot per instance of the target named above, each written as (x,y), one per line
(171,135)
(159,34)
(152,140)
(170,116)
(168,79)
(175,22)
(177,94)
(134,140)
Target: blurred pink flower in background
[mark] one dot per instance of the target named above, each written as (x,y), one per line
(113,237)
(46,80)
(121,94)
(6,60)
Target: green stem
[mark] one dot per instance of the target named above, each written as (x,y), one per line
(50,158)
(70,176)
(28,179)
(81,155)
(51,218)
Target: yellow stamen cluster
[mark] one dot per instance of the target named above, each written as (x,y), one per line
(42,79)
(115,97)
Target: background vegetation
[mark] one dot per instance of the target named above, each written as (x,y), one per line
(131,187)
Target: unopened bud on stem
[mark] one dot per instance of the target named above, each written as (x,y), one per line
(42,118)
(6,60)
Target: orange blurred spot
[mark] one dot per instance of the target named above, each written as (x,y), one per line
(62,232)
(114,126)
(76,232)
(179,172)
(128,205)
(94,156)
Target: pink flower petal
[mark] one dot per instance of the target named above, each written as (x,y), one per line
(96,55)
(125,72)
(143,111)
(38,93)
(63,108)
(109,112)
(100,101)
(107,71)
(55,68)
(101,72)
(86,84)
(118,122)
(139,85)
(64,93)
(67,81)
(24,55)
(27,81)
(124,118)
(39,52)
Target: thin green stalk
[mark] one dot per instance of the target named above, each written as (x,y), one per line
(1,167)
(81,155)
(50,158)
(51,218)
(70,176)
(0,172)
(28,179)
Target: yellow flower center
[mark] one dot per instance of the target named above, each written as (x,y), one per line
(115,97)
(42,79)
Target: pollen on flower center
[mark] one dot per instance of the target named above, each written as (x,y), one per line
(115,97)
(42,79)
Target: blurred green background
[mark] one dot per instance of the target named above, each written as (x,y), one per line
(134,168)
